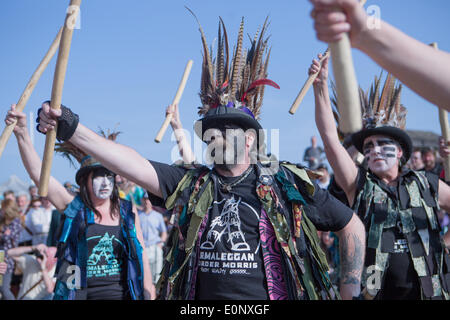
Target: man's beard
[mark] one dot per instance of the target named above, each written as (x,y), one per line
(230,156)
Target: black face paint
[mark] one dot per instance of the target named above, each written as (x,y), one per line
(102,172)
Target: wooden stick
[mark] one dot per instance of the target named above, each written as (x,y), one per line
(311,79)
(57,89)
(346,86)
(445,130)
(29,89)
(177,98)
(307,85)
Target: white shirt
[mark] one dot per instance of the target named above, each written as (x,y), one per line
(32,274)
(38,222)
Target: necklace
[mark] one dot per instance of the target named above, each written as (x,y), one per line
(227,187)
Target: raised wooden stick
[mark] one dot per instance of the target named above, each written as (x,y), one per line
(346,86)
(307,85)
(57,89)
(311,79)
(445,130)
(29,89)
(177,98)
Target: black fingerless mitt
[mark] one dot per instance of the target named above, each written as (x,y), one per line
(67,123)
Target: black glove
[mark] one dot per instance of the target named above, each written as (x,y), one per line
(67,123)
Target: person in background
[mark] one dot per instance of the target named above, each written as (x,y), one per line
(429,161)
(416,162)
(313,155)
(128,190)
(10,229)
(9,194)
(38,220)
(38,264)
(155,235)
(22,201)
(329,245)
(324,180)
(33,191)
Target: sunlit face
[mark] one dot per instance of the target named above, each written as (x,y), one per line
(102,183)
(382,153)
(22,201)
(429,160)
(416,160)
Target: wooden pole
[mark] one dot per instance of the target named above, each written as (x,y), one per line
(346,86)
(445,130)
(57,89)
(29,89)
(307,85)
(176,100)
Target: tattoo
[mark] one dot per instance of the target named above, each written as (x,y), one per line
(352,260)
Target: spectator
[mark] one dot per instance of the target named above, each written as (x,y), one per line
(38,264)
(38,220)
(313,155)
(22,202)
(10,228)
(329,245)
(9,194)
(33,191)
(155,235)
(416,162)
(429,161)
(130,191)
(324,180)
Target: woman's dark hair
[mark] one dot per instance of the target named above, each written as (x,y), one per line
(84,194)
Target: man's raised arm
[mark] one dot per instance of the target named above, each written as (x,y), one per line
(420,67)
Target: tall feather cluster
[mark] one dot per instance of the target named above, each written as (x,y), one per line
(238,78)
(379,106)
(384,108)
(73,153)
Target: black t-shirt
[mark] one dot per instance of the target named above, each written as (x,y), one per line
(230,259)
(106,263)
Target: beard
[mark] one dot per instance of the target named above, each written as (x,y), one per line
(225,154)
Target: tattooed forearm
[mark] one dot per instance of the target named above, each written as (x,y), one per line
(352,255)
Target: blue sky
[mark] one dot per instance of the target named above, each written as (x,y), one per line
(127,59)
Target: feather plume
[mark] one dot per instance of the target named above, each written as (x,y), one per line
(234,75)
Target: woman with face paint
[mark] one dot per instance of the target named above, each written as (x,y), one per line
(100,242)
(406,258)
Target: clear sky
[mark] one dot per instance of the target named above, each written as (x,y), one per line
(127,59)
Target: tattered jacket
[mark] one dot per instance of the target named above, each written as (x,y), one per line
(285,205)
(416,205)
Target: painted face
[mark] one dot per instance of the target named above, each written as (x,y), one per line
(382,153)
(102,183)
(226,145)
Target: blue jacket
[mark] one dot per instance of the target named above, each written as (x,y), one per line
(72,251)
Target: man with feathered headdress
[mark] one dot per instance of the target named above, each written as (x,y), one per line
(406,258)
(246,229)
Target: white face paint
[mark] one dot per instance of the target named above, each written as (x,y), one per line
(102,186)
(382,153)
